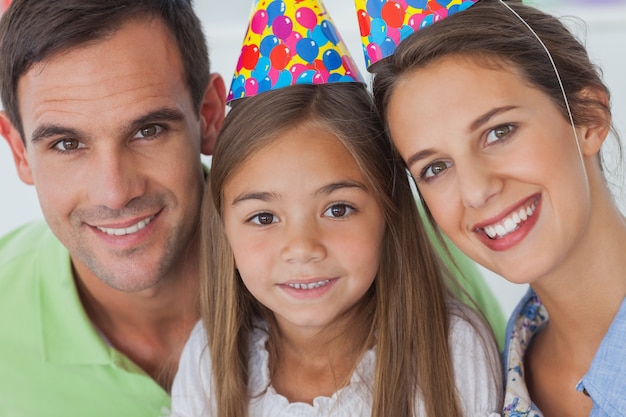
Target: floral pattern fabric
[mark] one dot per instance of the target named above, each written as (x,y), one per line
(604,382)
(526,321)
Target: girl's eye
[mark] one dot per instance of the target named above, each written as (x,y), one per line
(434,169)
(499,133)
(149,131)
(67,145)
(263,219)
(339,210)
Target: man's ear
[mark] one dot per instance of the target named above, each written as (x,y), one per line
(212,113)
(18,149)
(593,133)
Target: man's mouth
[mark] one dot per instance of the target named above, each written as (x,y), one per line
(122,231)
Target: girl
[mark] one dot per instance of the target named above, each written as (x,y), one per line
(314,303)
(500,117)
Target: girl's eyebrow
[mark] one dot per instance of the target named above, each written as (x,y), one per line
(329,188)
(269,196)
(263,196)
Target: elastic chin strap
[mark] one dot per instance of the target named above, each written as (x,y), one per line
(558,77)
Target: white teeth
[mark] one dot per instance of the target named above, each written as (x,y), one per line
(308,286)
(523,215)
(126,230)
(500,230)
(509,224)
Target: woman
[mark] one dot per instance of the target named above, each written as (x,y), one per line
(499,115)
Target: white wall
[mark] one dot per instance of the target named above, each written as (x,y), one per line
(225,25)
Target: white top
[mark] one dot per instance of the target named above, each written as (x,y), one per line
(476,365)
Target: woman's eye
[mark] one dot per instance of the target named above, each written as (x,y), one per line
(338,210)
(263,219)
(149,131)
(499,133)
(67,145)
(434,169)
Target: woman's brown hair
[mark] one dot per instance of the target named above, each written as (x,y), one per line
(492,34)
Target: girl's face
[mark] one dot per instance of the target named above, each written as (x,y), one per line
(496,163)
(304,228)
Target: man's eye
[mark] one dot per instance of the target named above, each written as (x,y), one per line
(149,131)
(67,145)
(263,219)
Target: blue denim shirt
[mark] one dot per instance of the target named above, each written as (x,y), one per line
(605,382)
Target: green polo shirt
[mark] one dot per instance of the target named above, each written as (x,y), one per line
(52,360)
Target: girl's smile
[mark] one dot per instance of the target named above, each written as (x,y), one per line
(310,288)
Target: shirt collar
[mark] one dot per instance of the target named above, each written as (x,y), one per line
(527,320)
(67,334)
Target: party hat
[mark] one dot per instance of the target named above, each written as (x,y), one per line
(385,23)
(4,4)
(290,42)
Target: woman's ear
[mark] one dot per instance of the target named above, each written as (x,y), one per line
(593,133)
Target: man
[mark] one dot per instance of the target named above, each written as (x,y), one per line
(108,106)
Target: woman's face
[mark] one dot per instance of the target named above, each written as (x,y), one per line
(495,161)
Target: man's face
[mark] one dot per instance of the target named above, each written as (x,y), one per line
(113,147)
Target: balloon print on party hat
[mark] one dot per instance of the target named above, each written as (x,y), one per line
(290,42)
(4,4)
(385,23)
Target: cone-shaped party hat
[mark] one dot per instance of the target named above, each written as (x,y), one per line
(290,42)
(385,23)
(4,4)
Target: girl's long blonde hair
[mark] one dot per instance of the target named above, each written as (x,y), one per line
(408,300)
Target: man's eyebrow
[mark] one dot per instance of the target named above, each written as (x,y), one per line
(48,130)
(164,114)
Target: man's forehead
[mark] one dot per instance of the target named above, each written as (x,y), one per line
(146,34)
(120,74)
